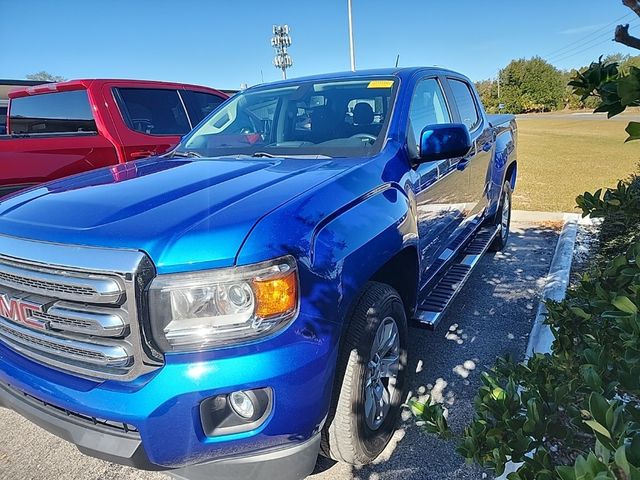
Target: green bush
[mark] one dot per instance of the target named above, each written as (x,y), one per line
(619,208)
(574,413)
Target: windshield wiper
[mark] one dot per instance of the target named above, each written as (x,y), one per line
(186,154)
(264,155)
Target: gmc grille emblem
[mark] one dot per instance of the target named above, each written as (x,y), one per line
(20,310)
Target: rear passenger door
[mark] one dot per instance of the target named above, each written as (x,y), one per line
(441,186)
(476,164)
(150,121)
(200,104)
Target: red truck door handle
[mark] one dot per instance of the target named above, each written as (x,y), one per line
(141,154)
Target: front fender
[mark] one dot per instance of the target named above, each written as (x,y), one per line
(354,243)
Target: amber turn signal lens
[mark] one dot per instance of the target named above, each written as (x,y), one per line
(276,296)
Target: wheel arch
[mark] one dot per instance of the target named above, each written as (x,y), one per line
(402,272)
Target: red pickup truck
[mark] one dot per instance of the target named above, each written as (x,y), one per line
(59,129)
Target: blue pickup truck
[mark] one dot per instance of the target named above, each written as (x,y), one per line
(241,304)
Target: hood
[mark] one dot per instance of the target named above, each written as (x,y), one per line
(186,214)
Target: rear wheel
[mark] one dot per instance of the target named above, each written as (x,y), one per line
(503,219)
(370,378)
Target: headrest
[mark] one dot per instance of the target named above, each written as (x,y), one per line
(362,114)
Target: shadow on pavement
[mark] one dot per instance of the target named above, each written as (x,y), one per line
(491,317)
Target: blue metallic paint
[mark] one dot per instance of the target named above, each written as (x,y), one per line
(342,219)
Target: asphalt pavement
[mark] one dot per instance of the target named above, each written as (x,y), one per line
(492,316)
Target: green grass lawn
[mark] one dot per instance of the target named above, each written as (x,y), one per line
(560,158)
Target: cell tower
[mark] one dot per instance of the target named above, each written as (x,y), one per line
(281,40)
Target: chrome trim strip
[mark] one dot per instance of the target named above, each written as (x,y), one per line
(104,322)
(61,284)
(89,353)
(99,260)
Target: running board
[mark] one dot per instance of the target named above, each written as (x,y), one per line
(434,303)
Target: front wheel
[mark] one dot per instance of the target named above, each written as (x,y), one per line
(503,219)
(370,378)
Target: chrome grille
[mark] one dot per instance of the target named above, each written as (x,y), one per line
(63,283)
(7,278)
(72,322)
(75,308)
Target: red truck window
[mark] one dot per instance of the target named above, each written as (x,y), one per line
(3,119)
(61,112)
(200,104)
(153,111)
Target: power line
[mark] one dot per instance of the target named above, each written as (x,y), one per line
(586,37)
(583,47)
(577,50)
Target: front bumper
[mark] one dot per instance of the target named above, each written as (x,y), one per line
(154,422)
(102,441)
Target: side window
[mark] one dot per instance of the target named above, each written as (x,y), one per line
(153,111)
(60,112)
(200,104)
(3,120)
(465,102)
(428,107)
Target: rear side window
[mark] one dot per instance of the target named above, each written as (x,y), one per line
(200,104)
(466,104)
(3,120)
(153,111)
(60,112)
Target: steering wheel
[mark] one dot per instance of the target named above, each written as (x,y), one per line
(365,136)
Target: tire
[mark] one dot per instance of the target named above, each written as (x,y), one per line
(355,432)
(503,219)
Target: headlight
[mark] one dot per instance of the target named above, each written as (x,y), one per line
(191,311)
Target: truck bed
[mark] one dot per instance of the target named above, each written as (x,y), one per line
(500,119)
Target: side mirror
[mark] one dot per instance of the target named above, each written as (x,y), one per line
(439,142)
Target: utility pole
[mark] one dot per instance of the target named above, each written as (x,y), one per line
(281,40)
(351,45)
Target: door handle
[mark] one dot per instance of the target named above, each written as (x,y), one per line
(141,154)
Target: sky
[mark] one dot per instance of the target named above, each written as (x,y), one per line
(224,43)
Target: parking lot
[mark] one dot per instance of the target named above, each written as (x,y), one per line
(491,317)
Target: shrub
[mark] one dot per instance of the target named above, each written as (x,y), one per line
(574,413)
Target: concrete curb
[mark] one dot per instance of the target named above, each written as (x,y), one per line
(526,216)
(556,283)
(541,337)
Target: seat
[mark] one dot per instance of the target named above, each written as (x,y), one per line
(363,117)
(322,125)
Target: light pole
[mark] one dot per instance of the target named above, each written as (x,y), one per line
(281,40)
(351,45)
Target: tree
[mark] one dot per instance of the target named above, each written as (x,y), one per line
(531,85)
(614,81)
(488,91)
(45,77)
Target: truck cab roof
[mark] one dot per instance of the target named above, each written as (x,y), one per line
(85,83)
(400,72)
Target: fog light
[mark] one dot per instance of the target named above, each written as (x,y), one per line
(242,404)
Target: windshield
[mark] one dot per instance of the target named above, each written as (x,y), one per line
(339,118)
